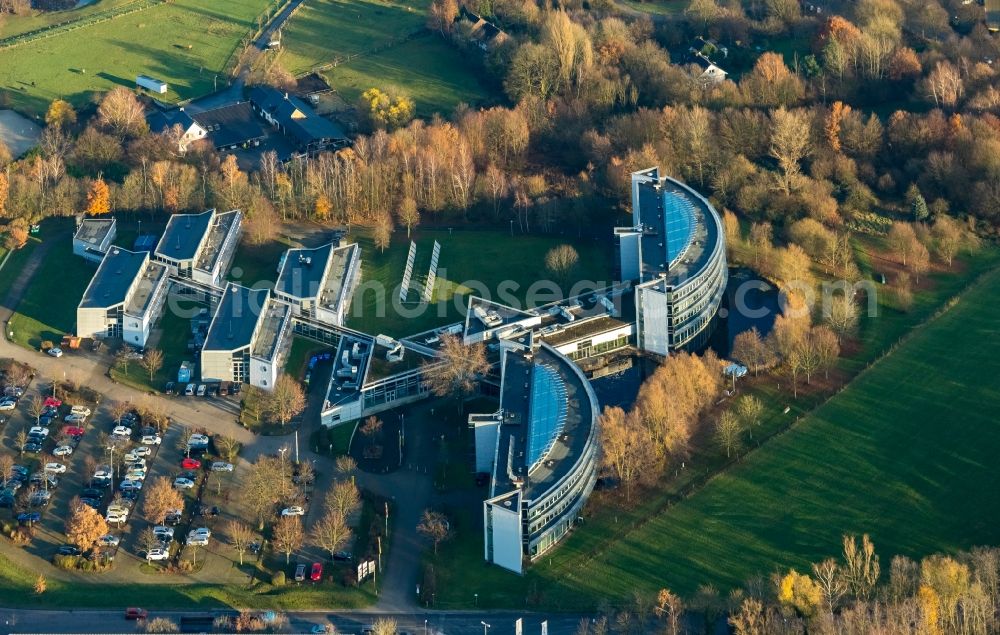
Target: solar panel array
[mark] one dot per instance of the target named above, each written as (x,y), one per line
(679,224)
(547,412)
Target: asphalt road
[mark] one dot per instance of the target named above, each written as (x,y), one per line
(464,623)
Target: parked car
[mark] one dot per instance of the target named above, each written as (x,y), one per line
(136,474)
(55,468)
(201,390)
(115,519)
(198,440)
(343,556)
(294,510)
(55,351)
(137,453)
(317,572)
(62,450)
(189,389)
(197,540)
(93,503)
(8,404)
(222,466)
(183,483)
(128,484)
(133,613)
(38,431)
(33,448)
(169,389)
(73,431)
(108,540)
(200,531)
(190,464)
(69,550)
(80,410)
(173,518)
(74,418)
(121,431)
(151,439)
(52,402)
(161,532)
(92,492)
(157,554)
(29,517)
(102,472)
(300,573)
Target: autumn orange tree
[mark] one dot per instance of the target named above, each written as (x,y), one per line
(84,527)
(98,197)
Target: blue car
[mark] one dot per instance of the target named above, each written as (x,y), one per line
(29,517)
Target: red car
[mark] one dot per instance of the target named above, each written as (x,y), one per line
(73,431)
(317,572)
(190,464)
(53,402)
(133,613)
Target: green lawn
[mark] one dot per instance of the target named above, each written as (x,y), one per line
(47,310)
(12,268)
(657,7)
(905,453)
(298,356)
(183,42)
(175,331)
(16,587)
(257,265)
(428,69)
(470,262)
(15,25)
(323,31)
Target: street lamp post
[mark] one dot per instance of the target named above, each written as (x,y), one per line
(476,595)
(282,451)
(486,627)
(425,627)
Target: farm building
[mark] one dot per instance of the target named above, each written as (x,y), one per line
(124,298)
(165,120)
(231,126)
(248,338)
(151,84)
(93,237)
(296,120)
(200,246)
(319,283)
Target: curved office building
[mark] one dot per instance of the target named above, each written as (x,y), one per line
(541,451)
(675,253)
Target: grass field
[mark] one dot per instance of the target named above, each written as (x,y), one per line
(175,331)
(903,453)
(184,42)
(657,7)
(47,310)
(42,19)
(359,25)
(257,265)
(16,587)
(298,356)
(470,262)
(428,69)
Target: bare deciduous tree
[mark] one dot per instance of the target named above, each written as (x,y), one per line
(288,536)
(435,526)
(160,499)
(287,400)
(331,533)
(240,536)
(457,369)
(152,361)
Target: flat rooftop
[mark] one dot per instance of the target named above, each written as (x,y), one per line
(302,271)
(548,418)
(110,284)
(272,321)
(236,318)
(218,231)
(151,276)
(336,279)
(184,234)
(501,314)
(691,249)
(94,230)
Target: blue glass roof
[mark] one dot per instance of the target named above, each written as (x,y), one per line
(679,224)
(547,412)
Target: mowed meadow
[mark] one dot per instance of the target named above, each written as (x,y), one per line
(907,453)
(185,43)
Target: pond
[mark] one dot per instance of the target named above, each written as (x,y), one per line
(750,302)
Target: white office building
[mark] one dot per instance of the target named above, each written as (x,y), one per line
(200,246)
(319,283)
(124,298)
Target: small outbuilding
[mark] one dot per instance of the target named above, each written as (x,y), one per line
(151,84)
(93,237)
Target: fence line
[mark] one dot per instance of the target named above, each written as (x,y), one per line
(388,44)
(72,25)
